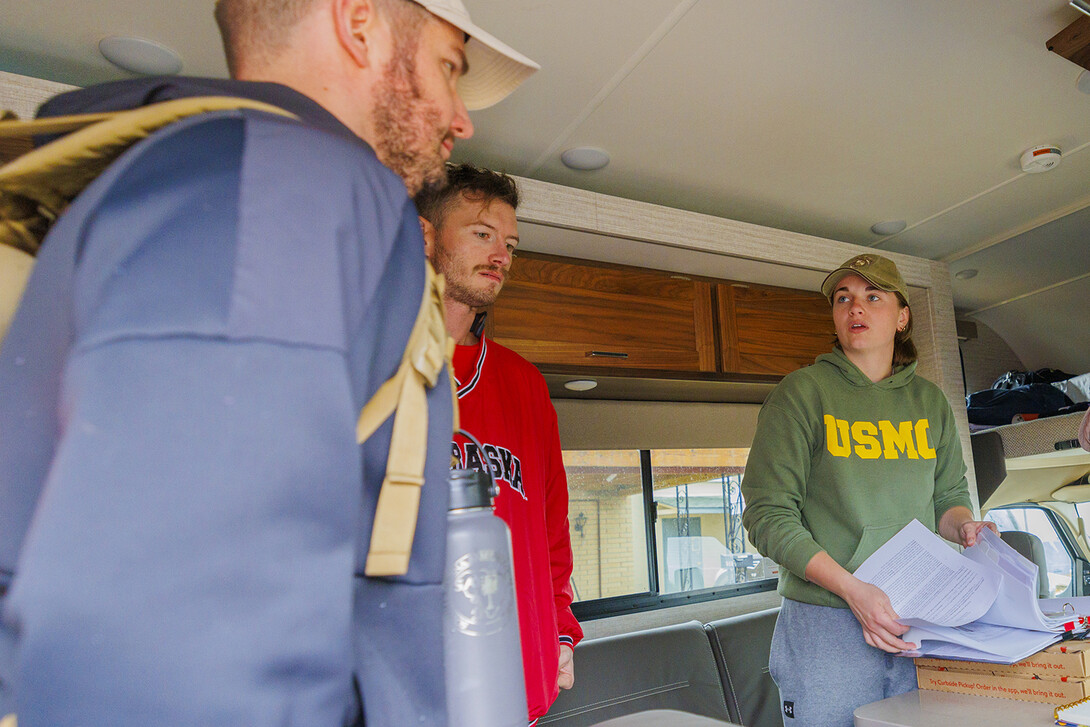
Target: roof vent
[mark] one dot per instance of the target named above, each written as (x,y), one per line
(1040,159)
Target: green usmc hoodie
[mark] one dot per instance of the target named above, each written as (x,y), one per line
(840,463)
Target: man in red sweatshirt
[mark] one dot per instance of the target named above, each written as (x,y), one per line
(471,233)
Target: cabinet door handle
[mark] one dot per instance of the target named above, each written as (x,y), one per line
(606,354)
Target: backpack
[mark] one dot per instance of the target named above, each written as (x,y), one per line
(36,188)
(1014,379)
(1000,406)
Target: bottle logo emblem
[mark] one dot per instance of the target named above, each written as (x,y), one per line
(482,593)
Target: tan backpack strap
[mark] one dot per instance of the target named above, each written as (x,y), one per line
(36,187)
(453,382)
(426,355)
(51,125)
(15,267)
(8,721)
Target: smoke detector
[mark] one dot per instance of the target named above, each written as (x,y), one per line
(1040,159)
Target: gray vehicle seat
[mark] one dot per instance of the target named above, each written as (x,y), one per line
(671,667)
(740,645)
(1033,550)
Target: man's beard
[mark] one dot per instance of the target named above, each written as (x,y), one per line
(408,132)
(457,287)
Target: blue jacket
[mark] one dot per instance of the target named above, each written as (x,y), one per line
(184,510)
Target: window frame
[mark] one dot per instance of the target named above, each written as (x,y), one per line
(653,599)
(1063,532)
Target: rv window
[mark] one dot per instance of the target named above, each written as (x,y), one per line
(1059,563)
(652,527)
(607,519)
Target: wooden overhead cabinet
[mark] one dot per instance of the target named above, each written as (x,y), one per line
(770,330)
(558,312)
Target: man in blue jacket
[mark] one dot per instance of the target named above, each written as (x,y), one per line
(184,509)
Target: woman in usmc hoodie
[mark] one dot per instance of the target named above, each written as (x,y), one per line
(848,451)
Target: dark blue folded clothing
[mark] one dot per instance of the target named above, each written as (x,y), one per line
(999,406)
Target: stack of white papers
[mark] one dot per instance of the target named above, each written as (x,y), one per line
(980,604)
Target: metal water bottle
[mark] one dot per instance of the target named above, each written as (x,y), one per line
(483,657)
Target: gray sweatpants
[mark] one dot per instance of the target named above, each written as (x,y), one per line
(824,669)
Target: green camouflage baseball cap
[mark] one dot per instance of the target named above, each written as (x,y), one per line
(880,272)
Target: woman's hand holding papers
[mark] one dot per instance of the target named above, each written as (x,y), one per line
(957,526)
(868,603)
(970,531)
(875,614)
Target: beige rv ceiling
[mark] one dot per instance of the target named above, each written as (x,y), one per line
(821,118)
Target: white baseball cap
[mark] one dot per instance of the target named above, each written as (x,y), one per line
(495,69)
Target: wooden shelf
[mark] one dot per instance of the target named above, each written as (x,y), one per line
(661,386)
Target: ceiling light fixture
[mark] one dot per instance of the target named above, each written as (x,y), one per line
(966,274)
(1082,5)
(1083,84)
(585,158)
(580,384)
(889,227)
(140,55)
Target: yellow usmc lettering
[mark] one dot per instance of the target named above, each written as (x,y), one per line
(882,440)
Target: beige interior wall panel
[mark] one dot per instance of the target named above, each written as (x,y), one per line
(23,94)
